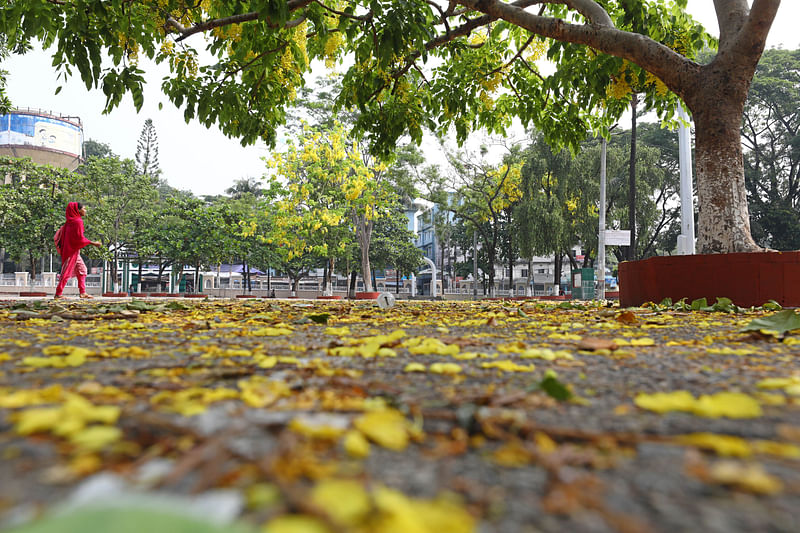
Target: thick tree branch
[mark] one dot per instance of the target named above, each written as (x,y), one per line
(591,10)
(752,37)
(673,69)
(731,16)
(200,27)
(342,14)
(473,24)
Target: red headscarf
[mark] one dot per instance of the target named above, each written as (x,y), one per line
(72,239)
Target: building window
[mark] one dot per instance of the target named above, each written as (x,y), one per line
(524,273)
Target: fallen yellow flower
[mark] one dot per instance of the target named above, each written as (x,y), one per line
(508,366)
(444,368)
(722,404)
(386,427)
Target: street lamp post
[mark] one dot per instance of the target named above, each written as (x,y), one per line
(601,239)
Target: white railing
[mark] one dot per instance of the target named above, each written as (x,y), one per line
(458,291)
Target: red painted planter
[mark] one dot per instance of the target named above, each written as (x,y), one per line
(115,295)
(195,295)
(245,295)
(613,295)
(554,298)
(160,295)
(140,295)
(367,295)
(749,279)
(33,294)
(329,297)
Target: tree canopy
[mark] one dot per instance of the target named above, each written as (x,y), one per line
(771,133)
(417,64)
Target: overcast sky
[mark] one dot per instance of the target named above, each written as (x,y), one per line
(204,160)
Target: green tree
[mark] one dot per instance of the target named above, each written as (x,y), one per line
(481,193)
(258,53)
(31,209)
(245,186)
(549,205)
(97,149)
(5,101)
(147,151)
(330,180)
(393,243)
(771,133)
(120,200)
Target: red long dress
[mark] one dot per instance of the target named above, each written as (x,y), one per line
(72,241)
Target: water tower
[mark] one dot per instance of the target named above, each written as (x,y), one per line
(46,138)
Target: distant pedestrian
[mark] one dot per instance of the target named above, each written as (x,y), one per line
(69,240)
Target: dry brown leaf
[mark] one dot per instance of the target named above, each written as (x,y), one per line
(595,343)
(627,317)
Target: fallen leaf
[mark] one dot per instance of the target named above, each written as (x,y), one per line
(594,343)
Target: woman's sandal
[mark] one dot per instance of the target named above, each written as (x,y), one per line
(87,296)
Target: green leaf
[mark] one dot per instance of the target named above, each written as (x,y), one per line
(555,389)
(139,305)
(781,322)
(724,305)
(681,305)
(124,521)
(321,318)
(772,305)
(699,304)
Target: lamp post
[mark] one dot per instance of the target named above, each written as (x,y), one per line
(601,238)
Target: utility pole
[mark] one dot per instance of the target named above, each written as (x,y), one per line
(601,239)
(475,264)
(632,182)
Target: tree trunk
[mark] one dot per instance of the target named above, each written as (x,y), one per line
(441,263)
(247,276)
(723,215)
(364,238)
(139,278)
(558,262)
(510,270)
(492,259)
(161,267)
(529,288)
(352,289)
(33,267)
(114,282)
(325,278)
(331,267)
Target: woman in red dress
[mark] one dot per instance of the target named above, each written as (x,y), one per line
(69,241)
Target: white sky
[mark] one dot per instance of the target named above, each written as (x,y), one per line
(204,160)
